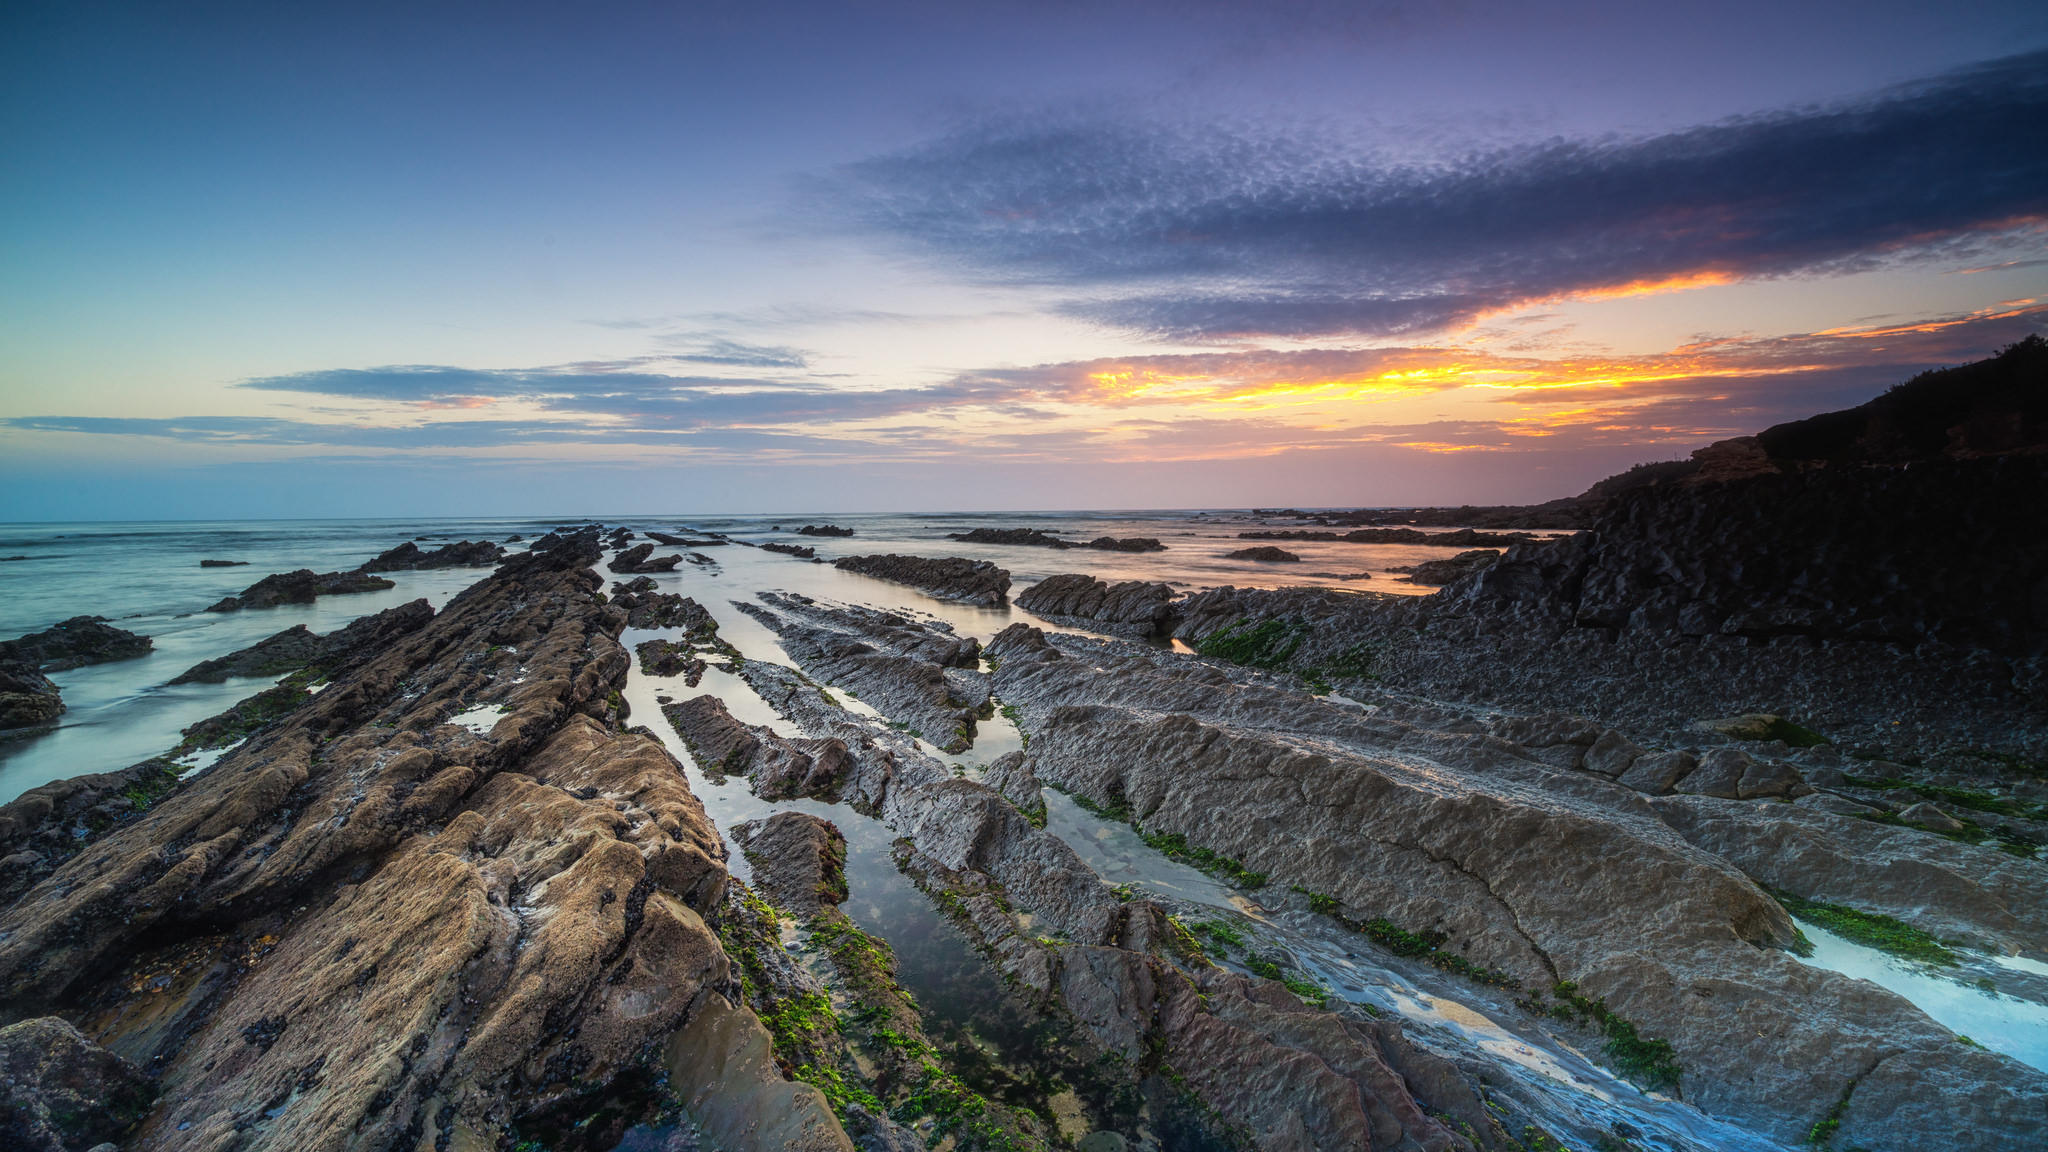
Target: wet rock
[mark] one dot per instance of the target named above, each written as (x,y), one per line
(429,925)
(661,657)
(976,582)
(298,647)
(1126,544)
(1131,608)
(223,563)
(1658,773)
(799,860)
(1611,755)
(60,1092)
(778,768)
(1838,805)
(1264,552)
(1448,571)
(75,643)
(300,587)
(918,674)
(823,530)
(410,557)
(647,608)
(27,697)
(1029,537)
(1929,816)
(800,551)
(1720,773)
(641,558)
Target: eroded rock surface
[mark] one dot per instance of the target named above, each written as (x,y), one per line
(1544,872)
(60,1092)
(918,674)
(366,923)
(300,587)
(1132,608)
(947,578)
(641,558)
(298,647)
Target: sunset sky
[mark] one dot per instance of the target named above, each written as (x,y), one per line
(481,259)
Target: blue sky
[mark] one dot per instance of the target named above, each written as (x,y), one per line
(472,259)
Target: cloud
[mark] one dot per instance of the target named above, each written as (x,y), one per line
(736,354)
(1214,234)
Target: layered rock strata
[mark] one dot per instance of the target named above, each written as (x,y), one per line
(977,582)
(300,587)
(367,926)
(1132,608)
(922,677)
(1422,820)
(298,647)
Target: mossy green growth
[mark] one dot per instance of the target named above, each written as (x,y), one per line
(1317,901)
(1310,992)
(1823,1130)
(1872,929)
(1221,931)
(1650,1064)
(1176,846)
(1967,798)
(1268,644)
(1794,735)
(1428,947)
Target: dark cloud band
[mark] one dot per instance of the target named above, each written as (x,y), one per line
(1198,235)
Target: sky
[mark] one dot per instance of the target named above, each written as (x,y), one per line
(277,260)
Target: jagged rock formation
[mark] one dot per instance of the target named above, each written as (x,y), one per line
(1423,821)
(367,924)
(641,558)
(1132,608)
(918,675)
(299,587)
(410,557)
(660,657)
(298,647)
(800,551)
(823,530)
(647,608)
(1446,571)
(949,578)
(27,697)
(75,643)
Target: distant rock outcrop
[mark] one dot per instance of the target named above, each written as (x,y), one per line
(641,558)
(408,557)
(75,643)
(1265,552)
(823,530)
(297,647)
(300,587)
(947,578)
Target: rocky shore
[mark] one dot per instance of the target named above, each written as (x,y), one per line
(28,698)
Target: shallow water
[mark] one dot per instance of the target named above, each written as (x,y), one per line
(2008,1024)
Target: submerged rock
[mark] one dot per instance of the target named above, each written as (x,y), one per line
(1127,544)
(976,582)
(823,530)
(223,563)
(800,551)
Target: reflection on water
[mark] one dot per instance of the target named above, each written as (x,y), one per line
(2018,1028)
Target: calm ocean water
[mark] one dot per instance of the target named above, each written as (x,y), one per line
(146,577)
